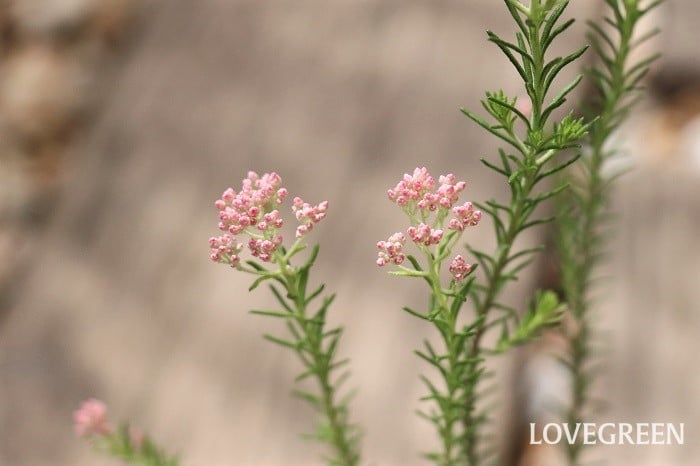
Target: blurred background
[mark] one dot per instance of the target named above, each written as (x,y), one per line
(121,121)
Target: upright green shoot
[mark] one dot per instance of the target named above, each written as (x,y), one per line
(534,141)
(581,226)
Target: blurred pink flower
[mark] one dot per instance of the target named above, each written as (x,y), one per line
(91,419)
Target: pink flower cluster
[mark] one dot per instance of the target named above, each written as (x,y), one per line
(253,211)
(419,188)
(391,250)
(459,268)
(256,200)
(466,216)
(91,419)
(225,249)
(423,234)
(308,214)
(263,248)
(422,198)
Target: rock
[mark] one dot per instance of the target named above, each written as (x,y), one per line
(15,186)
(50,17)
(41,92)
(110,18)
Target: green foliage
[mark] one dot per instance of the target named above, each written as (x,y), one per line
(533,155)
(142,452)
(581,227)
(316,346)
(545,311)
(452,363)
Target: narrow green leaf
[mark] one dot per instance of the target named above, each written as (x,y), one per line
(283,315)
(280,298)
(416,314)
(491,129)
(281,342)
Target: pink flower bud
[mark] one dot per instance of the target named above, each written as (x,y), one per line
(459,268)
(91,419)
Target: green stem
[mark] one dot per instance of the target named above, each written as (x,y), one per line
(584,235)
(520,215)
(520,211)
(451,374)
(321,362)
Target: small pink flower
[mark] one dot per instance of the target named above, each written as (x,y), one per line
(224,250)
(423,234)
(238,211)
(459,268)
(428,205)
(253,211)
(263,248)
(412,187)
(466,216)
(391,250)
(281,195)
(308,214)
(449,190)
(419,190)
(91,419)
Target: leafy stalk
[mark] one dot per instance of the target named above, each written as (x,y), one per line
(444,309)
(530,158)
(252,215)
(316,347)
(527,161)
(580,231)
(124,443)
(139,452)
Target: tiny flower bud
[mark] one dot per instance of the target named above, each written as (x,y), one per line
(91,419)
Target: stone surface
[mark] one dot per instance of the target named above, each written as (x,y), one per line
(41,92)
(50,17)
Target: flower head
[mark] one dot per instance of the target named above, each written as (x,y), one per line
(254,212)
(419,190)
(429,206)
(459,268)
(224,249)
(91,419)
(465,216)
(412,187)
(424,234)
(308,215)
(391,250)
(259,196)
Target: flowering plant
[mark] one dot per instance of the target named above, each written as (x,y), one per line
(126,443)
(580,231)
(254,212)
(464,286)
(461,366)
